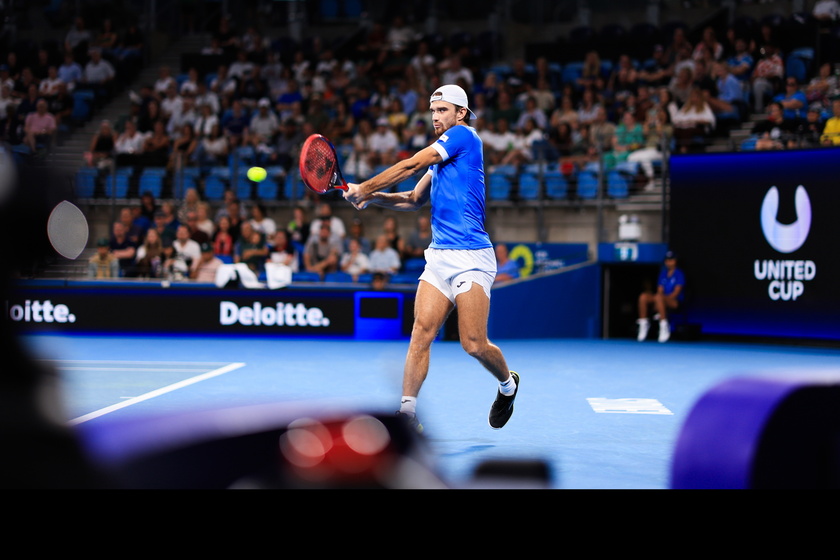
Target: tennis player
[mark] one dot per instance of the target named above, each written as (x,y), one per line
(460,261)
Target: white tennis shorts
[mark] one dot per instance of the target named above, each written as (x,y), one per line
(453,271)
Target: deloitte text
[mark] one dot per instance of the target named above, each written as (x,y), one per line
(787,277)
(279,315)
(40,312)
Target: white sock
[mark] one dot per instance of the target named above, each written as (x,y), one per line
(408,405)
(508,387)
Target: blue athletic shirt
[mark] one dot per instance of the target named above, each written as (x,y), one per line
(669,283)
(457,195)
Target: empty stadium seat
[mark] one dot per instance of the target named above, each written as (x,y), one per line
(86,182)
(151,180)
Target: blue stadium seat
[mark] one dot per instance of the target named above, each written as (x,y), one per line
(117,183)
(305,277)
(556,185)
(151,180)
(214,187)
(529,185)
(244,187)
(587,184)
(618,183)
(268,189)
(86,182)
(500,182)
(294,187)
(338,277)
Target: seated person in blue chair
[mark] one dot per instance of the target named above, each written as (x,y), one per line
(668,297)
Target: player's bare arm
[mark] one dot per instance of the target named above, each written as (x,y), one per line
(362,194)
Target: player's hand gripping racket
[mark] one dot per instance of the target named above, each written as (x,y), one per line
(319,168)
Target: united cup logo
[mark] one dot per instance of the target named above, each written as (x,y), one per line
(787,277)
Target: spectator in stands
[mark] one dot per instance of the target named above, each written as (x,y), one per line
(729,99)
(78,38)
(165,228)
(261,221)
(196,233)
(281,250)
(263,128)
(183,148)
(354,261)
(793,101)
(384,258)
(418,240)
(417,137)
(658,133)
(103,265)
(506,269)
(129,145)
(810,130)
(693,122)
(822,87)
(135,229)
(591,76)
(534,113)
(189,204)
(165,84)
(8,105)
(205,267)
(391,230)
(61,106)
(106,39)
(185,252)
(656,71)
(170,102)
(223,241)
(40,126)
(325,214)
(226,36)
(212,149)
(189,86)
(223,84)
(49,85)
(667,298)
(831,131)
(624,79)
(523,147)
(505,108)
(741,62)
(187,114)
(384,144)
(773,132)
(235,123)
(767,77)
(601,132)
(122,248)
(102,145)
(682,84)
(299,226)
(589,106)
(322,252)
(709,48)
(826,10)
(204,222)
(629,136)
(99,75)
(149,259)
(356,231)
(156,146)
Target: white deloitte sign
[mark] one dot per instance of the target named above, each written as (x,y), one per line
(279,314)
(35,311)
(787,277)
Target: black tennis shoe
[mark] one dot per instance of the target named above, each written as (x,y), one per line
(502,408)
(412,421)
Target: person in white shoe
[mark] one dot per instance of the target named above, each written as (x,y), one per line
(670,291)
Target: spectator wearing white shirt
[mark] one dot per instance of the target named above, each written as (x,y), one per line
(384,143)
(384,258)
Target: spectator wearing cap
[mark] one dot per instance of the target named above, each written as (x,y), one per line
(205,267)
(264,126)
(103,264)
(667,298)
(384,143)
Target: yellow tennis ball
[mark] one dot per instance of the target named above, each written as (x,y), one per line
(257,174)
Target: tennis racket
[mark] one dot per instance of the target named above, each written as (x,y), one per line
(319,168)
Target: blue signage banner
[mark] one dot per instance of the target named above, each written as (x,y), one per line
(756,234)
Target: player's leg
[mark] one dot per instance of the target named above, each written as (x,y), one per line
(473,312)
(431,308)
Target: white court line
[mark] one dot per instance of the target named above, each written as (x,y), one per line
(156,393)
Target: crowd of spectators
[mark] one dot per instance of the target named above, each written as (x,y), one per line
(263,97)
(38,82)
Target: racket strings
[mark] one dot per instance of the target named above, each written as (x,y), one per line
(319,163)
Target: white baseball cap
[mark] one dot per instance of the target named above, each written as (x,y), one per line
(452,94)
